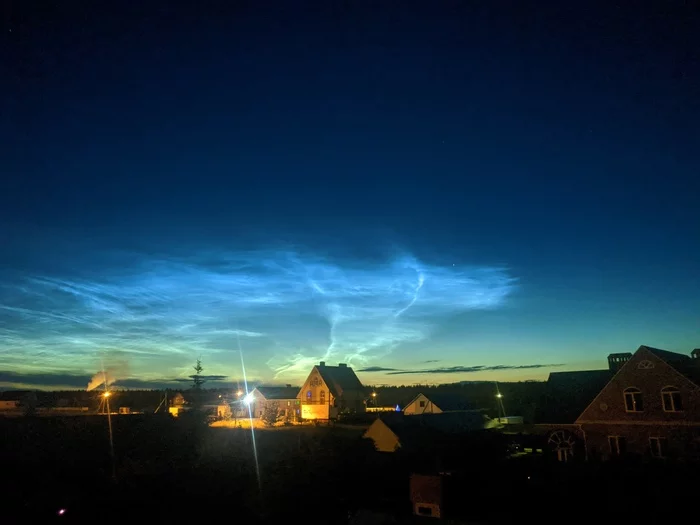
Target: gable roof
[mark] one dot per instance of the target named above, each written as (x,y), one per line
(681,363)
(445,401)
(669,357)
(278,392)
(423,428)
(569,393)
(339,379)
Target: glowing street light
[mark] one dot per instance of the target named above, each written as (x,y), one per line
(106,394)
(499,395)
(239,393)
(248,399)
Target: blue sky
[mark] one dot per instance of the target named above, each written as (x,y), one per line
(406,190)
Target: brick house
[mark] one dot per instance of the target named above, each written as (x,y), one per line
(649,408)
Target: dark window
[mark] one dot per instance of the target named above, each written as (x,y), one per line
(671,399)
(658,447)
(633,400)
(323,397)
(425,511)
(618,445)
(421,404)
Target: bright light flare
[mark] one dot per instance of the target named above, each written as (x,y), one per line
(249,398)
(61,512)
(107,394)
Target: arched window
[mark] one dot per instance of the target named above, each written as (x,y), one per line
(671,399)
(323,397)
(308,396)
(633,400)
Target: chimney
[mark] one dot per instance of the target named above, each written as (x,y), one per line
(322,363)
(615,361)
(695,354)
(342,365)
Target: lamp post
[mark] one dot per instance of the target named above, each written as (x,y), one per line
(374,399)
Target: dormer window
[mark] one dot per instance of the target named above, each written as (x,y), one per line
(671,399)
(633,400)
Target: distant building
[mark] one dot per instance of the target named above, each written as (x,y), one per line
(9,404)
(330,391)
(437,403)
(284,398)
(392,432)
(650,407)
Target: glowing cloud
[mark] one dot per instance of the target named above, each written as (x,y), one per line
(291,310)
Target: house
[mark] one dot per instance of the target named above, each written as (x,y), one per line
(650,407)
(392,432)
(331,390)
(284,398)
(437,403)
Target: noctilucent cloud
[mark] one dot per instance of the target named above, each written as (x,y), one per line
(285,311)
(436,194)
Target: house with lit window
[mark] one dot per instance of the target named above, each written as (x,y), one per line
(649,408)
(330,391)
(283,398)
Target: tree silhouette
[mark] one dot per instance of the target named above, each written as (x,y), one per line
(197,378)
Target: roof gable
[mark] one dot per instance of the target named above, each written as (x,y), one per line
(424,428)
(444,401)
(278,392)
(649,370)
(339,379)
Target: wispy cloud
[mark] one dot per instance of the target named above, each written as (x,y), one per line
(456,369)
(288,309)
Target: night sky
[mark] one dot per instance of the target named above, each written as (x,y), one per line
(407,187)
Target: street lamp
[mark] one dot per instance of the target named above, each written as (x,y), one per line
(239,393)
(374,398)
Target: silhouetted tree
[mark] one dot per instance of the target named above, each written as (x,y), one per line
(197,378)
(271,414)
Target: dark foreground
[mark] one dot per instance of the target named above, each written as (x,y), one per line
(176,471)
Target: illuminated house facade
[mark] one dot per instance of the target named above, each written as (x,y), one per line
(283,398)
(331,390)
(650,408)
(437,403)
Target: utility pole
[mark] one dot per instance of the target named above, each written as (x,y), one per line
(501,408)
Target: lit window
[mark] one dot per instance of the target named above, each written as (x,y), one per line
(618,445)
(671,399)
(658,447)
(633,400)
